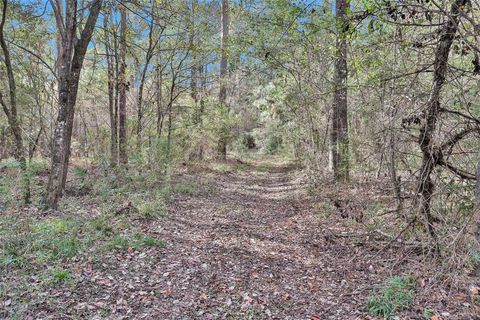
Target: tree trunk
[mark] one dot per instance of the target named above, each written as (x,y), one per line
(430,156)
(70,63)
(159,98)
(112,104)
(339,130)
(222,144)
(123,88)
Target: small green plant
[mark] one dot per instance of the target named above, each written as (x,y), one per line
(428,314)
(80,172)
(119,242)
(396,296)
(61,276)
(474,258)
(153,209)
(147,241)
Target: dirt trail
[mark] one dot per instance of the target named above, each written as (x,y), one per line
(247,245)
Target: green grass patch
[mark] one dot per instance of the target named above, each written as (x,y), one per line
(185,188)
(59,276)
(122,242)
(397,295)
(54,240)
(221,168)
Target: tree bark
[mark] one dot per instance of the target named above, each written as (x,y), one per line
(159,95)
(222,97)
(339,130)
(123,88)
(148,57)
(112,104)
(430,153)
(70,61)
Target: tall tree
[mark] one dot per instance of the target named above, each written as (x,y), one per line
(222,96)
(70,59)
(11,109)
(112,66)
(122,82)
(149,53)
(339,126)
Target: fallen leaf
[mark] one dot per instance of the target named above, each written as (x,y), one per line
(421,282)
(475,291)
(167,292)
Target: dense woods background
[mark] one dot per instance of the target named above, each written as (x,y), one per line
(94,92)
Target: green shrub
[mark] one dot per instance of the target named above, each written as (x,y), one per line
(38,166)
(274,143)
(247,142)
(398,295)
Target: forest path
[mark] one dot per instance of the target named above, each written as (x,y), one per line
(247,244)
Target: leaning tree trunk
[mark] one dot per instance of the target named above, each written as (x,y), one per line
(339,131)
(430,155)
(70,63)
(222,98)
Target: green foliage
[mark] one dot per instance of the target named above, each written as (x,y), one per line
(80,172)
(274,144)
(143,240)
(427,314)
(56,239)
(123,242)
(37,166)
(247,142)
(61,276)
(152,209)
(398,295)
(185,188)
(221,168)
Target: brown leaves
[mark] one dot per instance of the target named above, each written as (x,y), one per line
(421,282)
(474,291)
(167,292)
